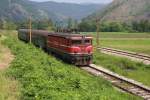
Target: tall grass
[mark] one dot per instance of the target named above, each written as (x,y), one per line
(42,77)
(9,88)
(136,42)
(135,45)
(125,67)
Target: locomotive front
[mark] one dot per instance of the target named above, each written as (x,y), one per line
(81,50)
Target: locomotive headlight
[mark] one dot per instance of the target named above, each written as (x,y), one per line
(76,49)
(89,49)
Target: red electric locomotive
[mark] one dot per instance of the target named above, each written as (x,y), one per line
(73,48)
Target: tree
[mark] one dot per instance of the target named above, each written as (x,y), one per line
(70,23)
(75,24)
(7,24)
(112,27)
(1,24)
(44,24)
(141,26)
(87,27)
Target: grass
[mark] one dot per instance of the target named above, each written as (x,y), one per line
(0,47)
(9,88)
(124,67)
(135,45)
(136,42)
(120,35)
(44,77)
(0,51)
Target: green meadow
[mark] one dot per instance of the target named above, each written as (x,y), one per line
(136,42)
(43,77)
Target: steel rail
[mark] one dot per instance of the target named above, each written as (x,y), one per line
(126,53)
(121,82)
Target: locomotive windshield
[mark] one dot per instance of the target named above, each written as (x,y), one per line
(88,42)
(80,42)
(76,42)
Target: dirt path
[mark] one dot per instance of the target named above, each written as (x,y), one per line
(6,57)
(9,88)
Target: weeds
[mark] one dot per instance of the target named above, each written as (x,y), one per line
(42,77)
(124,66)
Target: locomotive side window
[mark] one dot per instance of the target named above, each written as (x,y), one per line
(76,42)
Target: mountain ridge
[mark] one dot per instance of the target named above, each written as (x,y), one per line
(22,9)
(124,11)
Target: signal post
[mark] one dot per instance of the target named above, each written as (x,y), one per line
(30,28)
(97,33)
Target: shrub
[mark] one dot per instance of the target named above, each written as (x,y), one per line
(45,78)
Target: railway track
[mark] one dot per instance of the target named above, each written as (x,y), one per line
(121,82)
(138,56)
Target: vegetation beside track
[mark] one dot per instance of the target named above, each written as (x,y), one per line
(120,35)
(43,77)
(9,88)
(124,66)
(136,42)
(135,45)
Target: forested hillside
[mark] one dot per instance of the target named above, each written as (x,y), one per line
(121,15)
(125,10)
(18,10)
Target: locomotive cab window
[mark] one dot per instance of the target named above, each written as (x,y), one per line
(88,41)
(76,42)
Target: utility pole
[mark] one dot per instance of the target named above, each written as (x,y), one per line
(30,29)
(9,4)
(97,33)
(9,7)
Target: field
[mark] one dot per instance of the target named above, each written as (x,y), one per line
(43,77)
(136,42)
(135,45)
(124,67)
(0,52)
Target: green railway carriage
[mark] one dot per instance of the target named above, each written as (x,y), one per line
(38,38)
(76,49)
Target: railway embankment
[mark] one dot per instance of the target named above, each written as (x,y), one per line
(124,66)
(45,77)
(126,84)
(9,87)
(138,57)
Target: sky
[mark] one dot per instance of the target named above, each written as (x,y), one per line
(77,1)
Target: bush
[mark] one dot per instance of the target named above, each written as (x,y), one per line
(135,26)
(45,78)
(112,27)
(141,26)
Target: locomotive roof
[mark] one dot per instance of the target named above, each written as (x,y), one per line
(64,35)
(40,32)
(70,36)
